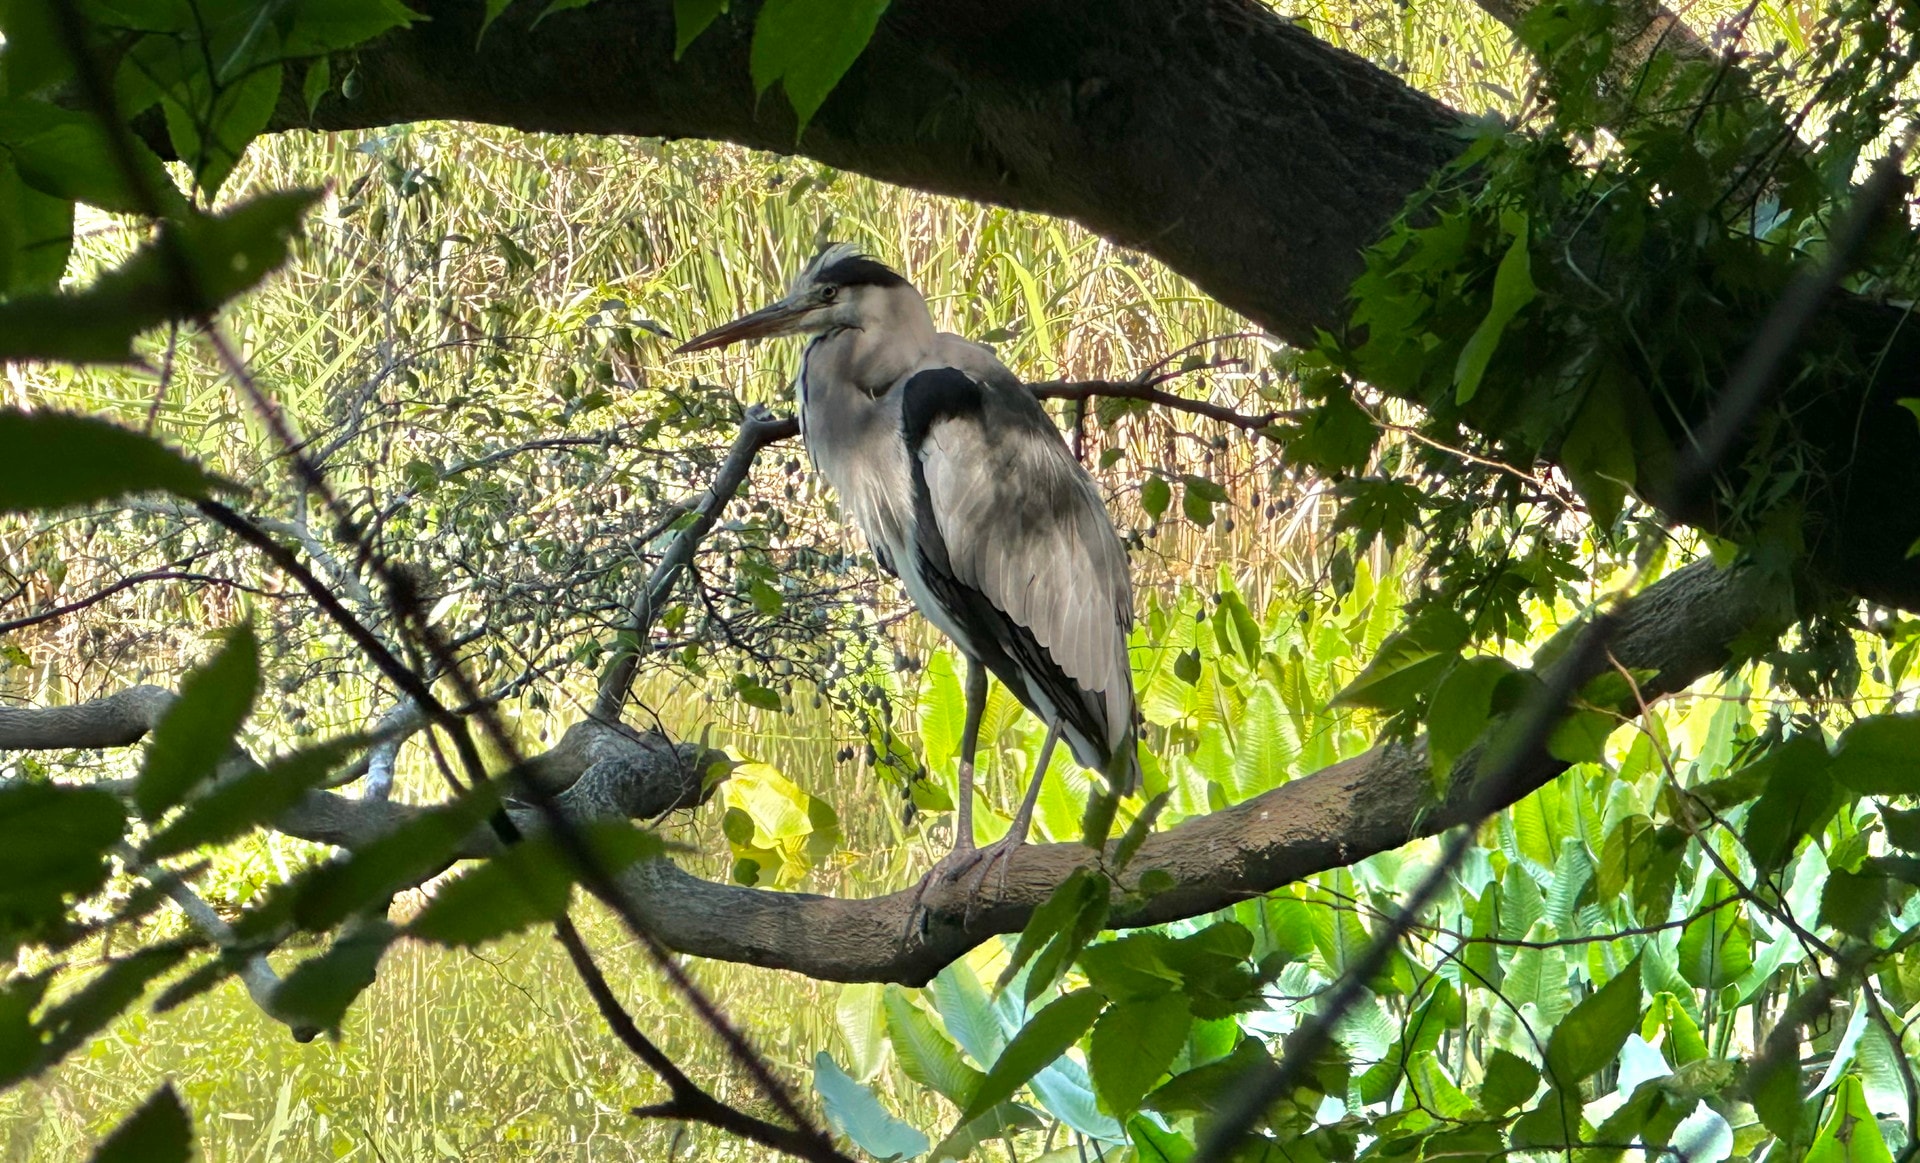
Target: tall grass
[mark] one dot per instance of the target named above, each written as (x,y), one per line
(497,1055)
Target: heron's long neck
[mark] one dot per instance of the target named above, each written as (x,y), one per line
(850,415)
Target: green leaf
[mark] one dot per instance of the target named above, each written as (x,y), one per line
(53,845)
(754,694)
(221,256)
(1153,1144)
(808,45)
(240,804)
(1774,1086)
(1052,918)
(332,25)
(1879,756)
(1716,949)
(1589,1038)
(159,1132)
(1597,453)
(690,19)
(1408,662)
(210,129)
(198,729)
(1133,1044)
(1855,903)
(968,1014)
(319,990)
(1002,1122)
(55,459)
(527,884)
(926,1054)
(1851,1134)
(1798,800)
(1045,1037)
(852,1110)
(1155,495)
(74,1021)
(1508,1081)
(317,82)
(19,1040)
(1512,289)
(1197,504)
(68,155)
(36,232)
(1461,708)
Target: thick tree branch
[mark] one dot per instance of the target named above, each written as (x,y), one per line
(1681,628)
(1211,134)
(118,720)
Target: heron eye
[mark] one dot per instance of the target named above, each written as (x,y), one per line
(828,292)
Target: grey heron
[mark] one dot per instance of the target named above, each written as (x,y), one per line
(967,493)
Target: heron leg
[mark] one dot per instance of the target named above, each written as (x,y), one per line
(1002,849)
(969,744)
(963,854)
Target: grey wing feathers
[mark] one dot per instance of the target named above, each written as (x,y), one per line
(1023,523)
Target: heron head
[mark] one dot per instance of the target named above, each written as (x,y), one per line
(841,288)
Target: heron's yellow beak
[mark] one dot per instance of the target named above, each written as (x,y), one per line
(781,318)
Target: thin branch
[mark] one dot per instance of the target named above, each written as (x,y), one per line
(689,1100)
(758,429)
(93,599)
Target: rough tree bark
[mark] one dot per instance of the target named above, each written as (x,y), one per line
(1212,134)
(1679,629)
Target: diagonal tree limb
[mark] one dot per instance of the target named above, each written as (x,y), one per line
(1682,628)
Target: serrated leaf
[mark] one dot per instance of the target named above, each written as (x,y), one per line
(159,1132)
(1798,800)
(55,459)
(1508,1081)
(36,235)
(1133,1044)
(53,845)
(1045,1037)
(221,255)
(319,899)
(1051,919)
(319,990)
(67,154)
(853,1111)
(248,800)
(528,883)
(1408,662)
(198,730)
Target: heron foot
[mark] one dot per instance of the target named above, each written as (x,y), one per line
(953,867)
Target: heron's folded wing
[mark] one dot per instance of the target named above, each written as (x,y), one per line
(1022,523)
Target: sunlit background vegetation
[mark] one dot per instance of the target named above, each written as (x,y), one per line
(463,290)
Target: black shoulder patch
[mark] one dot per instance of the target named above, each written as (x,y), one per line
(859,271)
(935,394)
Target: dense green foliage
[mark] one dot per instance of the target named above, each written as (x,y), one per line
(1698,942)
